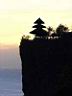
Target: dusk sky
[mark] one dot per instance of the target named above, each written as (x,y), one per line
(17,17)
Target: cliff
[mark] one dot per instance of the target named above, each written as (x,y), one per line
(46,67)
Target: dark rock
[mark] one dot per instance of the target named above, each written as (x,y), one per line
(46,67)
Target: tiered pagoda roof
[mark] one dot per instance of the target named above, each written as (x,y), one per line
(39,31)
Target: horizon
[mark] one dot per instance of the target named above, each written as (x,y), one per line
(9,58)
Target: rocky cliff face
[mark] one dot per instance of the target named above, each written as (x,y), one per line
(46,67)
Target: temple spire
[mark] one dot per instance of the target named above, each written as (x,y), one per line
(38,21)
(39,31)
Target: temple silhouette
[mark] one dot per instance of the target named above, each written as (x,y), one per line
(39,32)
(47,62)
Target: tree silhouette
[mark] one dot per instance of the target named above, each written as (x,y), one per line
(66,29)
(39,31)
(60,30)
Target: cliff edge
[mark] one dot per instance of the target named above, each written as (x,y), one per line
(46,67)
(47,62)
